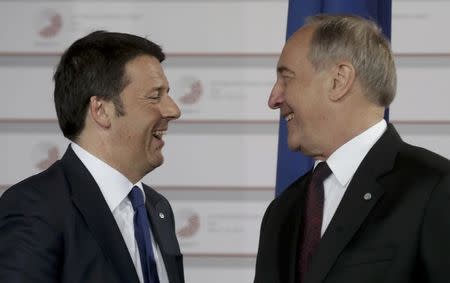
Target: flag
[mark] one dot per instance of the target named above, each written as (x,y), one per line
(292,165)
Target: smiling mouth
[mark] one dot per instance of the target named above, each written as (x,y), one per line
(289,117)
(159,134)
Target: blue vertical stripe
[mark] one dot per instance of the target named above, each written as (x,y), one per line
(292,165)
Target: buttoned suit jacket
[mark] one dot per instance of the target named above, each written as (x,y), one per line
(392,224)
(57,227)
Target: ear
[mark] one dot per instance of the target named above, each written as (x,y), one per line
(343,76)
(100,111)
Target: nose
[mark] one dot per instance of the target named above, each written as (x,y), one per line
(170,109)
(276,97)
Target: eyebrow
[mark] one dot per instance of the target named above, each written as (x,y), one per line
(158,89)
(284,69)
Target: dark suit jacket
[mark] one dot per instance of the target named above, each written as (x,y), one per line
(57,227)
(400,235)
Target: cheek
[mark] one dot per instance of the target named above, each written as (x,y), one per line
(124,134)
(149,138)
(296,95)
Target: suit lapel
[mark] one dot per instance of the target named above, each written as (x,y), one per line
(291,231)
(354,206)
(88,198)
(161,219)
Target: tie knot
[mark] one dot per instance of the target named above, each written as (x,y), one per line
(321,172)
(136,197)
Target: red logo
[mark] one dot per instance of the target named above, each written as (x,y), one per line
(192,91)
(50,23)
(190,224)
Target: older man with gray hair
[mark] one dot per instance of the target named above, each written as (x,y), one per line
(374,208)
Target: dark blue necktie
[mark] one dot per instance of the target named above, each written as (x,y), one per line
(143,236)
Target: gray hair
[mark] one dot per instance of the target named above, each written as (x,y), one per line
(361,42)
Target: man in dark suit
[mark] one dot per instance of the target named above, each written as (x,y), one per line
(89,218)
(374,209)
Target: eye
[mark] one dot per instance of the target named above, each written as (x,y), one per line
(155,95)
(285,79)
(286,76)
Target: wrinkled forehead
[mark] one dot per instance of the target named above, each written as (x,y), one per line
(297,47)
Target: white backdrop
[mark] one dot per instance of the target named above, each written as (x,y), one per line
(219,171)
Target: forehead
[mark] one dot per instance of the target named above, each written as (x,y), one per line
(296,49)
(145,68)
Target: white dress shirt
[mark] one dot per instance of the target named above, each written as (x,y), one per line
(115,188)
(343,163)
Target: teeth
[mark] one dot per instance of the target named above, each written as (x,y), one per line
(289,117)
(159,134)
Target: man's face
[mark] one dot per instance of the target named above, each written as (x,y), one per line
(300,94)
(138,134)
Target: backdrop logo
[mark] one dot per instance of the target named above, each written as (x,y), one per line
(188,223)
(191,90)
(49,23)
(44,155)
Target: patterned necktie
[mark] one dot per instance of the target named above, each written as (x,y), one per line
(143,236)
(312,218)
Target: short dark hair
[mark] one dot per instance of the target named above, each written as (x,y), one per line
(95,66)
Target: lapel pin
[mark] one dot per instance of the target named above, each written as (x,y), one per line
(367,196)
(161,215)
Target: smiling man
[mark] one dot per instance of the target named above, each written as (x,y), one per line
(89,218)
(374,209)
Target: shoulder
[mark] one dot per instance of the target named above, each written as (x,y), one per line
(420,159)
(294,190)
(40,185)
(421,173)
(289,199)
(40,195)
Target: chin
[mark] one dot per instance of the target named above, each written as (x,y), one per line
(152,165)
(293,146)
(156,163)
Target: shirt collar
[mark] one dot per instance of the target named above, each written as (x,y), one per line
(346,159)
(114,186)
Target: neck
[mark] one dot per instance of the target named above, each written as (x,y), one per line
(346,127)
(100,148)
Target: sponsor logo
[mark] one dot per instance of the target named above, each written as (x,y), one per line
(49,23)
(190,90)
(188,223)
